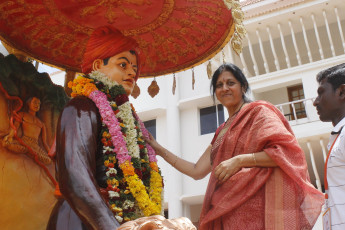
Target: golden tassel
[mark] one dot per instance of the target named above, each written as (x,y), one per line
(174,85)
(193,78)
(223,54)
(238,17)
(209,69)
(153,89)
(136,91)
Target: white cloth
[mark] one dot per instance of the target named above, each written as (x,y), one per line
(336,178)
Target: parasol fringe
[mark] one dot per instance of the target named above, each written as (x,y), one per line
(240,31)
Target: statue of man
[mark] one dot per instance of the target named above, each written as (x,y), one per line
(106,173)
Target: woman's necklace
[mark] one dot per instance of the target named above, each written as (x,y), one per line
(234,115)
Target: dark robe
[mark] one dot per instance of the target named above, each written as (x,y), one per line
(80,170)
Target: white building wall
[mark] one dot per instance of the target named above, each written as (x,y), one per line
(201,86)
(275,96)
(193,146)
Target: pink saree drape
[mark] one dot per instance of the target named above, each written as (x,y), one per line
(261,198)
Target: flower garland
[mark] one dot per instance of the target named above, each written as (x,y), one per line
(131,163)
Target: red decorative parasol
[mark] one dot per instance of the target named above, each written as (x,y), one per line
(173,34)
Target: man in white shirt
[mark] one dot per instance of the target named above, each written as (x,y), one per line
(330,105)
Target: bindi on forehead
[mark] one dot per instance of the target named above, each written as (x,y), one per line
(225,77)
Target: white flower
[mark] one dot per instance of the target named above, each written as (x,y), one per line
(131,134)
(133,151)
(126,116)
(128,204)
(103,78)
(107,148)
(113,194)
(118,218)
(111,171)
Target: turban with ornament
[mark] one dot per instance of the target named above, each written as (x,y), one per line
(105,42)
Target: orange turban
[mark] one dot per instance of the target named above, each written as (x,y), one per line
(105,42)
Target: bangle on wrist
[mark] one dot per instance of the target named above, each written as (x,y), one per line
(255,163)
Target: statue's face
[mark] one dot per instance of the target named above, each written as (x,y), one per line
(121,68)
(35,104)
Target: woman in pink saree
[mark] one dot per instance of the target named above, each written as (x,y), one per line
(259,176)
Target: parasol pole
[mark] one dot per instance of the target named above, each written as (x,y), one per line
(70,75)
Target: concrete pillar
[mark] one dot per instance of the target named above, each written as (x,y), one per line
(174,185)
(310,86)
(186,211)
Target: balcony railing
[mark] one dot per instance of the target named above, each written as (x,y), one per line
(297,116)
(272,45)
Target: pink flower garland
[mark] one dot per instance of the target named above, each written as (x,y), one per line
(150,151)
(113,125)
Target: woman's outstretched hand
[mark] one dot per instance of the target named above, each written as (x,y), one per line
(227,168)
(154,144)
